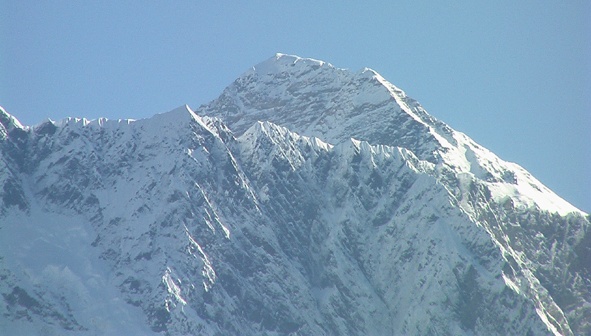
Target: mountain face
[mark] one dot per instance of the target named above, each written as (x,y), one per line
(305,200)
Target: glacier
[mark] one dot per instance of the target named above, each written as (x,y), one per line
(305,200)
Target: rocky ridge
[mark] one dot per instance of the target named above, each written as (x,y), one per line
(305,200)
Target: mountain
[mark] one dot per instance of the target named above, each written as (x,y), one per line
(305,200)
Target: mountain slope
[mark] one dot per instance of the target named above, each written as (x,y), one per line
(183,223)
(314,98)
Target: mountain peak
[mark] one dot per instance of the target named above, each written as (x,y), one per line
(179,115)
(286,63)
(316,99)
(8,122)
(178,224)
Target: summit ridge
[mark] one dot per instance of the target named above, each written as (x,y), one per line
(317,99)
(286,63)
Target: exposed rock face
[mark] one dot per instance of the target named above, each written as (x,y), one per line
(306,200)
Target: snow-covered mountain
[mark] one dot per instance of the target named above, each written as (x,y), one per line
(305,200)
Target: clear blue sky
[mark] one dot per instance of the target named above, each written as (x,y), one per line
(513,75)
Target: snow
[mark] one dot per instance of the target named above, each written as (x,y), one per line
(283,62)
(329,201)
(528,193)
(313,98)
(50,254)
(13,122)
(172,287)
